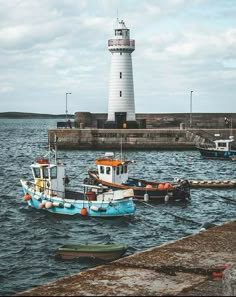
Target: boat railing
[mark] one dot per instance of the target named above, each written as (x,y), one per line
(206,145)
(44,189)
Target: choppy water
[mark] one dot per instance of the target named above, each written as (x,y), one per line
(28,237)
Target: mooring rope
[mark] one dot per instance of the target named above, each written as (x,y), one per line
(176,216)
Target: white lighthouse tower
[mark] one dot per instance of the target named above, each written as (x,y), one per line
(121,107)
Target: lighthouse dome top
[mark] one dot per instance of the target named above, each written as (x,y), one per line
(121,31)
(120,25)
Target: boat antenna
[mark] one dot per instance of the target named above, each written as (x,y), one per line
(52,148)
(121,156)
(55,146)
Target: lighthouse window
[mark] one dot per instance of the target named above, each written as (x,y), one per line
(120,93)
(120,74)
(118,32)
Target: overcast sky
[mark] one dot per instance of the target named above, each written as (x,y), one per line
(50,47)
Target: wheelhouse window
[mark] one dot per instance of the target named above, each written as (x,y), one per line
(37,172)
(120,93)
(53,172)
(222,144)
(101,169)
(45,172)
(108,170)
(120,75)
(117,170)
(125,168)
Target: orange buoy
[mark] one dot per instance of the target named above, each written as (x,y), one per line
(83,211)
(160,187)
(168,186)
(27,197)
(148,186)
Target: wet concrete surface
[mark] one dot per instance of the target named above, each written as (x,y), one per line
(190,266)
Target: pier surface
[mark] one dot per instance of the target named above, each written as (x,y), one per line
(190,266)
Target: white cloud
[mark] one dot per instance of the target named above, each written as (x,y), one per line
(50,47)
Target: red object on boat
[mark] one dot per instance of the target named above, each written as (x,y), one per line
(42,161)
(91,196)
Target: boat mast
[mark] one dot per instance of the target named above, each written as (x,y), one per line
(55,146)
(121,156)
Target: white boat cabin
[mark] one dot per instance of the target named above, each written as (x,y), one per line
(112,170)
(223,145)
(49,178)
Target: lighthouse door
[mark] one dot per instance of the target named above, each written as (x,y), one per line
(120,118)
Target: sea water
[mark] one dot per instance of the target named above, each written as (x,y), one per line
(29,237)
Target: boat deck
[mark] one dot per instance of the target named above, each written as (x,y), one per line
(219,184)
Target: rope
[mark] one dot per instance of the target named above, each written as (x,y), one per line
(174,215)
(228,199)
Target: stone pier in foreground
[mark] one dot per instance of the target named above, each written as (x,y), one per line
(201,264)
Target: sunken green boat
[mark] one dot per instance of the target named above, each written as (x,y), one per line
(106,252)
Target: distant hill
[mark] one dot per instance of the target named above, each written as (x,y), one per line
(28,115)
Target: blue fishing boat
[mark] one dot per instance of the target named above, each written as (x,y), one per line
(48,191)
(218,149)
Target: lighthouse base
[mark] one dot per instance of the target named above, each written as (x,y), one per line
(121,125)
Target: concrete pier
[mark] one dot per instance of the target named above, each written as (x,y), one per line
(171,139)
(191,266)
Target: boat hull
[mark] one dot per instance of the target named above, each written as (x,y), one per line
(179,192)
(216,154)
(57,205)
(101,252)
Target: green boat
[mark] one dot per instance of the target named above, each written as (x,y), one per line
(106,252)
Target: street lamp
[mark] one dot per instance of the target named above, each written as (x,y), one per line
(190,119)
(66,104)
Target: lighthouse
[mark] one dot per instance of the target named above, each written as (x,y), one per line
(121,106)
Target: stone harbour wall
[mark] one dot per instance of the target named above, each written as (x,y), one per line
(135,139)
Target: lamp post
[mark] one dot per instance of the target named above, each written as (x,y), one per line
(190,119)
(66,105)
